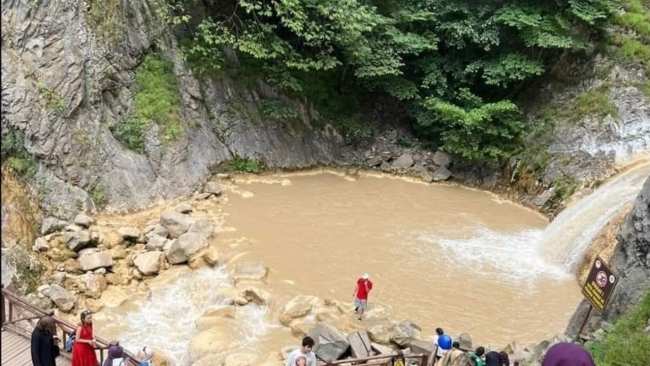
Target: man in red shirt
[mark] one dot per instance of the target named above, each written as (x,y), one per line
(364,285)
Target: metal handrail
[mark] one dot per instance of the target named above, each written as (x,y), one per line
(14,302)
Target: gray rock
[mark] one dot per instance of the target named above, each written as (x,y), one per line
(84,220)
(381,349)
(385,167)
(213,188)
(41,302)
(426,174)
(330,344)
(405,161)
(58,278)
(418,346)
(405,333)
(203,196)
(73,228)
(176,223)
(61,297)
(77,240)
(183,247)
(184,208)
(93,285)
(441,158)
(441,173)
(129,233)
(156,242)
(93,261)
(159,230)
(41,245)
(465,341)
(374,161)
(148,263)
(203,227)
(360,344)
(52,224)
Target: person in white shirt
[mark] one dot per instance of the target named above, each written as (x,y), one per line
(304,352)
(439,351)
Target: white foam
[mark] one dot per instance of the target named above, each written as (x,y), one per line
(509,258)
(167,320)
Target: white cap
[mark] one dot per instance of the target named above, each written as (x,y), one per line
(365,276)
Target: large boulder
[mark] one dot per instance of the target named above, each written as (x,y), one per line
(441,174)
(330,344)
(84,220)
(250,271)
(380,333)
(212,188)
(405,161)
(465,341)
(297,307)
(92,284)
(183,247)
(404,333)
(418,346)
(156,242)
(77,240)
(148,263)
(176,223)
(442,158)
(203,227)
(61,297)
(360,344)
(52,224)
(90,262)
(129,232)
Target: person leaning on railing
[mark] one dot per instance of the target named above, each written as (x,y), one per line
(45,348)
(83,350)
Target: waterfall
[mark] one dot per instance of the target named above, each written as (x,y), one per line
(569,235)
(552,252)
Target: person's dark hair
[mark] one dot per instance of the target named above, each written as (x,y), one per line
(308,342)
(505,360)
(84,314)
(456,345)
(439,331)
(47,324)
(480,351)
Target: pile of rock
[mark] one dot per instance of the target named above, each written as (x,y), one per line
(84,259)
(387,155)
(339,335)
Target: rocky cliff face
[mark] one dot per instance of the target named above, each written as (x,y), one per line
(631,261)
(68,75)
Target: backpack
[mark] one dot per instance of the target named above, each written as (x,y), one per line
(70,342)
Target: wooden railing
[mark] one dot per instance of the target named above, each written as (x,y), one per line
(20,317)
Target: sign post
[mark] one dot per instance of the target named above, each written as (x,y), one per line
(598,288)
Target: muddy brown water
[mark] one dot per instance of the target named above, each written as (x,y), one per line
(319,231)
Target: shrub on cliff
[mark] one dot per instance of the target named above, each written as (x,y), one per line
(628,344)
(456,66)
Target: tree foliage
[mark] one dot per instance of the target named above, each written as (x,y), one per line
(456,65)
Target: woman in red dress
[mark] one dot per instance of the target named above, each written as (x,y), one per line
(83,351)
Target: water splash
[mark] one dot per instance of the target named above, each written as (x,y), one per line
(553,252)
(567,238)
(167,320)
(509,258)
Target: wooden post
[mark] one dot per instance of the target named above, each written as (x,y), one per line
(2,304)
(584,322)
(425,360)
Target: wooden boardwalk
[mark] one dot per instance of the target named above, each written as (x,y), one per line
(16,351)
